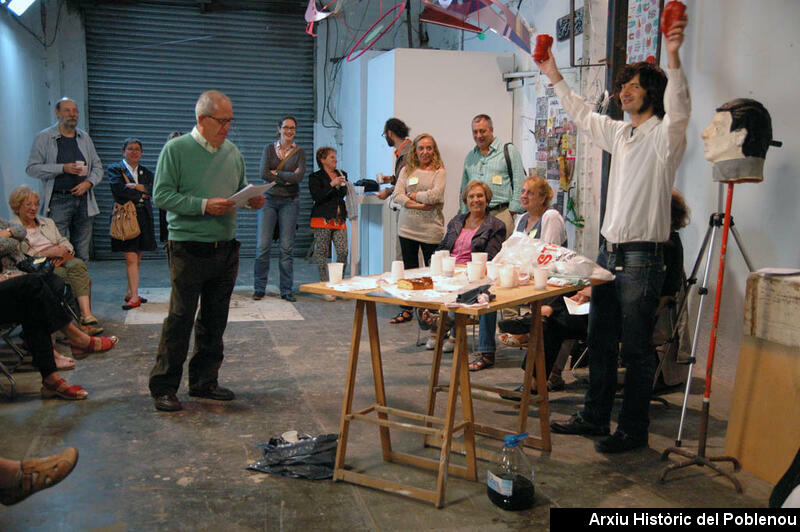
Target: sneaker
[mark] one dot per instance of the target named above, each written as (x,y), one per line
(328,297)
(430,345)
(258,295)
(449,346)
(578,425)
(619,442)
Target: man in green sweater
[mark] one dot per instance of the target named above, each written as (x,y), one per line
(194,176)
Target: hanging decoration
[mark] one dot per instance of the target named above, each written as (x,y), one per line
(489,14)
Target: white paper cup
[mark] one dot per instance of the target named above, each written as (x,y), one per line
(448,266)
(475,271)
(540,278)
(480,257)
(508,276)
(359,190)
(397,270)
(335,272)
(443,253)
(436,265)
(492,270)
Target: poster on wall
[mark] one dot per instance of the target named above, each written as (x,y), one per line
(555,137)
(643,41)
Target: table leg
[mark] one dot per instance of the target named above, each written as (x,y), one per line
(466,407)
(459,359)
(436,365)
(377,376)
(347,405)
(536,358)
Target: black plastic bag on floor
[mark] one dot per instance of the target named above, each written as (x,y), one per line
(310,457)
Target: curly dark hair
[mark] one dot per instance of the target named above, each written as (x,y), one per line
(396,126)
(651,78)
(679,211)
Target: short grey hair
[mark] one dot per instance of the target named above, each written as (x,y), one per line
(207,102)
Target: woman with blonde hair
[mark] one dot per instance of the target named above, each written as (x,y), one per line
(420,193)
(44,240)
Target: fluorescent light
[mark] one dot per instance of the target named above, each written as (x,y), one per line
(19,6)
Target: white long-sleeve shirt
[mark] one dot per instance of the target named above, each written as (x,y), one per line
(643,165)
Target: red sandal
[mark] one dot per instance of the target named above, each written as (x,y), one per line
(106,343)
(63,390)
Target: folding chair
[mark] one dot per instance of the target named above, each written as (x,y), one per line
(5,334)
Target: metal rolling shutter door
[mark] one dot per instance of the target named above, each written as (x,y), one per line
(146,66)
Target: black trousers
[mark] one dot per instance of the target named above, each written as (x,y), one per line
(31,301)
(204,271)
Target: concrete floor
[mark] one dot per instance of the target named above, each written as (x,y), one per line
(145,470)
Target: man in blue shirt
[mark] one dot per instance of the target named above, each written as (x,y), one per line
(490,161)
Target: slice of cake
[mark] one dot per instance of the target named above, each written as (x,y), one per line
(420,283)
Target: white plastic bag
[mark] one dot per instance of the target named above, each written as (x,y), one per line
(528,253)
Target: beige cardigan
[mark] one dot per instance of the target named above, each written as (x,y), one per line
(50,232)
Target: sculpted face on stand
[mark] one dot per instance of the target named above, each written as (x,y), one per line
(722,144)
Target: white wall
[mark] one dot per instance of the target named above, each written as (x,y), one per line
(751,53)
(32,79)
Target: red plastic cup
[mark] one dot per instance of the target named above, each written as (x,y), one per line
(543,44)
(672,13)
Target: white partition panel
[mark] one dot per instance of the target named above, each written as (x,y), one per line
(436,92)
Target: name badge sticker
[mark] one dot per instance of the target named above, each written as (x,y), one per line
(497,179)
(413,180)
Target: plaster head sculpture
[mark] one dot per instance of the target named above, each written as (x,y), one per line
(737,140)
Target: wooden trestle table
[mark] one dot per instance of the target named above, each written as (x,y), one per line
(436,430)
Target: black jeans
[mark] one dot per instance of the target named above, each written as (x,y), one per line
(208,272)
(410,251)
(31,301)
(624,310)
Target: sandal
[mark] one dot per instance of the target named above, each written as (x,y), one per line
(97,344)
(482,361)
(63,363)
(38,474)
(427,318)
(90,325)
(404,316)
(128,298)
(63,390)
(514,340)
(133,303)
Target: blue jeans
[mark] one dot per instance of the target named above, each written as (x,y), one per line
(282,211)
(71,217)
(487,324)
(624,310)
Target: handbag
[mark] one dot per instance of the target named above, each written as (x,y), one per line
(124,223)
(41,265)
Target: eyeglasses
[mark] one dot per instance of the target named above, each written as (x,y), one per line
(222,121)
(289,128)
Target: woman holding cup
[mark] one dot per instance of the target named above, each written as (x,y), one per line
(420,193)
(329,213)
(476,232)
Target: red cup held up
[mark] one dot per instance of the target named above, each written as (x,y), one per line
(672,13)
(543,44)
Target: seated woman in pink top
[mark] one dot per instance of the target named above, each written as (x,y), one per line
(476,231)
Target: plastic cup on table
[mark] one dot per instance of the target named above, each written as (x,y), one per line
(448,266)
(508,276)
(436,265)
(492,270)
(540,278)
(335,272)
(398,270)
(475,271)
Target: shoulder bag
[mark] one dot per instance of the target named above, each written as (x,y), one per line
(124,224)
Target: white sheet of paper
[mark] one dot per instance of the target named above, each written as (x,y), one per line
(250,191)
(576,309)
